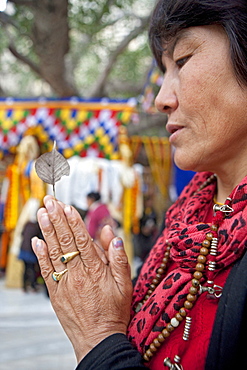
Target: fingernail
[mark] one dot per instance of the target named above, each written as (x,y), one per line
(110,229)
(118,243)
(44,220)
(37,243)
(67,210)
(50,206)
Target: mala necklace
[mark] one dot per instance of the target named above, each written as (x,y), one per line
(208,253)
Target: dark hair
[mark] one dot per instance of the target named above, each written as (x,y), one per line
(171,16)
(94,195)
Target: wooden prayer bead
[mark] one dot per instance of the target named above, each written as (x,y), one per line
(169,327)
(157,343)
(160,271)
(161,338)
(204,251)
(155,281)
(146,358)
(201,259)
(197,275)
(153,348)
(182,312)
(209,236)
(149,353)
(179,317)
(200,267)
(193,290)
(195,282)
(188,305)
(165,333)
(206,243)
(191,297)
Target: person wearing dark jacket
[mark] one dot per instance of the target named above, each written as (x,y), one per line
(28,256)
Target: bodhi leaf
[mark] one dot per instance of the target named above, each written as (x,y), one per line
(50,167)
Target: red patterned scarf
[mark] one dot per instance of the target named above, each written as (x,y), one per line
(185,230)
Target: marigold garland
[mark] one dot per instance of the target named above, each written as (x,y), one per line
(11,212)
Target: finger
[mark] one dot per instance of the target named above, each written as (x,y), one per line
(46,267)
(106,236)
(50,236)
(101,253)
(82,238)
(120,267)
(64,235)
(62,226)
(99,249)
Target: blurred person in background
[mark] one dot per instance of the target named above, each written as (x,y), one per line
(144,240)
(97,216)
(31,267)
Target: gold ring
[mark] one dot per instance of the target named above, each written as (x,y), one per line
(68,256)
(58,275)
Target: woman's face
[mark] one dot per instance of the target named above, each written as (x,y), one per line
(206,107)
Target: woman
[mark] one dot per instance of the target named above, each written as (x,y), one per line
(97,216)
(188,308)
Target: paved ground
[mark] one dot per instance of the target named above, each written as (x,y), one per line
(31,337)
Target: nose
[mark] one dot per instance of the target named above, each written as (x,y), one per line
(166,101)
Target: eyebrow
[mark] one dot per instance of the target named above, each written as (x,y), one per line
(169,50)
(180,35)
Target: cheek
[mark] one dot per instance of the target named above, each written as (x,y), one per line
(202,95)
(194,99)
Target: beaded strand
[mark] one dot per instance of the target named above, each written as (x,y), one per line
(190,299)
(195,288)
(158,277)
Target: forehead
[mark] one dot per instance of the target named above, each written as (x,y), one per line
(195,36)
(186,35)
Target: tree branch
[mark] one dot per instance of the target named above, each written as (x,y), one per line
(99,88)
(5,19)
(24,60)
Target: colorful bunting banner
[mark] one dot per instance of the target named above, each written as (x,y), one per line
(80,127)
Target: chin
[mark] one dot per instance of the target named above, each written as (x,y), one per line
(183,165)
(187,163)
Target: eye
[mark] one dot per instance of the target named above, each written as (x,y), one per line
(181,62)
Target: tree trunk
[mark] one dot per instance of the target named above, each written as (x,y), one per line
(51,42)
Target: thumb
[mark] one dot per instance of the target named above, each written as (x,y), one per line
(120,267)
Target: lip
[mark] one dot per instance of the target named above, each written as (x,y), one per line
(173,128)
